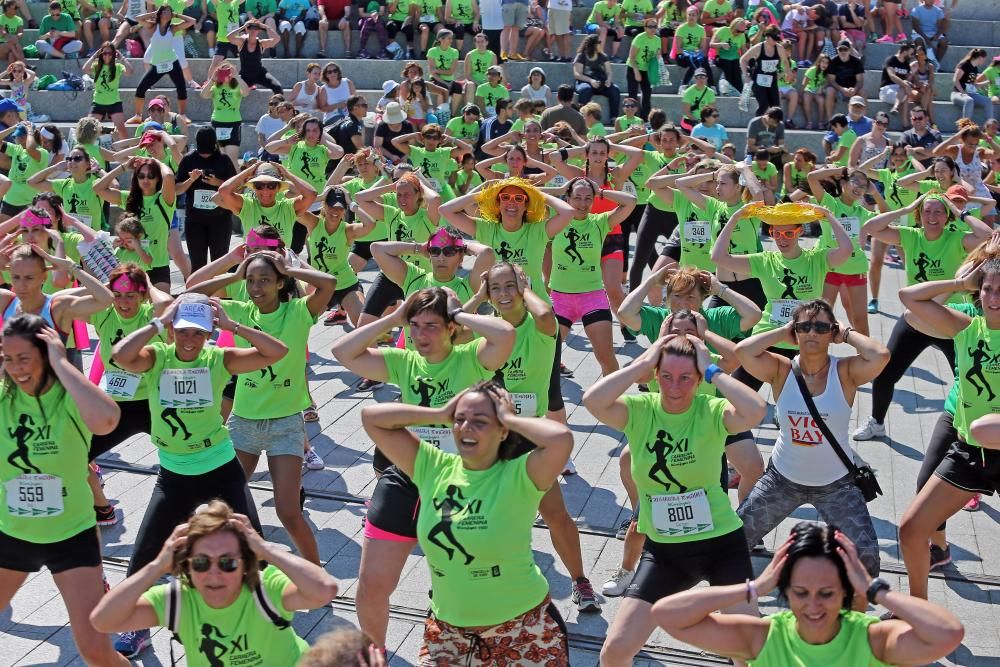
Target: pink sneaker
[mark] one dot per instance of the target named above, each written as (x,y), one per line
(888,39)
(900,38)
(973,504)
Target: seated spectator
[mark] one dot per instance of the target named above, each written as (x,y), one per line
(429,19)
(11,32)
(766,173)
(888,11)
(795,176)
(605,21)
(716,14)
(592,72)
(839,150)
(895,87)
(58,33)
(536,89)
(965,83)
(461,16)
(922,71)
(670,13)
(393,124)
(921,136)
(852,19)
(401,20)
(489,93)
(304,93)
(710,129)
(524,112)
(992,76)
(845,76)
(691,46)
(478,61)
(499,125)
(292,19)
(465,126)
(631,106)
(824,23)
(564,111)
(535,31)
(339,13)
(767,131)
(372,23)
(634,15)
(814,86)
(730,42)
(591,113)
(795,28)
(279,112)
(787,91)
(930,27)
(695,98)
(442,62)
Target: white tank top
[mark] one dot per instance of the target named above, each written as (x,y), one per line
(801,453)
(161,47)
(304,101)
(972,172)
(336,96)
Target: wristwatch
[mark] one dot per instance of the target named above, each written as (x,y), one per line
(877,586)
(158,323)
(455,312)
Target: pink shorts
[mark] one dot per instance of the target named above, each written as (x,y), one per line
(846,279)
(571,308)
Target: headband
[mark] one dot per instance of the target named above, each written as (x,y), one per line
(256,240)
(124,283)
(31,219)
(444,239)
(46,134)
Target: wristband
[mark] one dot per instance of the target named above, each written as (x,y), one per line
(564,153)
(751,591)
(236,329)
(158,323)
(877,586)
(711,372)
(846,332)
(454,312)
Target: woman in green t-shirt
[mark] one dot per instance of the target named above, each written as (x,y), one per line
(308,153)
(77,191)
(23,157)
(214,557)
(227,90)
(508,616)
(107,71)
(49,411)
(818,572)
(677,439)
(515,163)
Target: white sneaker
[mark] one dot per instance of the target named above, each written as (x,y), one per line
(681,88)
(570,468)
(618,582)
(870,430)
(313,461)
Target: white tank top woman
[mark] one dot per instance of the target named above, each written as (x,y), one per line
(802,454)
(972,173)
(336,95)
(306,103)
(161,53)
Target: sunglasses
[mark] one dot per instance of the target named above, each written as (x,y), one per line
(811,326)
(788,234)
(843,48)
(650,27)
(265,186)
(713,115)
(203,564)
(75,158)
(630,106)
(882,123)
(147,176)
(507,197)
(447,251)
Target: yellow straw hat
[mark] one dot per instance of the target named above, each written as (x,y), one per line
(785,214)
(488,199)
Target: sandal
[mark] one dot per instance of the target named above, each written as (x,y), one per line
(310,414)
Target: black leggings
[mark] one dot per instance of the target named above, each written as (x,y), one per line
(176,496)
(208,236)
(630,225)
(731,70)
(905,345)
(262,78)
(134,420)
(654,224)
(555,377)
(766,98)
(152,76)
(942,437)
(646,101)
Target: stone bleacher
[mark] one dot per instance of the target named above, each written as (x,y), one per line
(973,25)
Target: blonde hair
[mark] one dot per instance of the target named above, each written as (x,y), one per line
(208,520)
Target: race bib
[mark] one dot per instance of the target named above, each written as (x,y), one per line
(852,226)
(765,80)
(629,188)
(231,26)
(525,405)
(163,68)
(33,496)
(435,184)
(697,232)
(120,384)
(557,181)
(223,133)
(428,18)
(203,200)
(781,310)
(682,513)
(185,388)
(85,219)
(442,438)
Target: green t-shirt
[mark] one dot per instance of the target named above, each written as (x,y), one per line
(239,635)
(951,400)
(457,127)
(329,253)
(813,79)
(786,648)
(475,528)
(846,140)
(491,95)
(652,162)
(417,279)
(107,83)
(647,51)
(576,255)
(461,12)
(895,196)
(124,256)
(22,168)
(155,219)
(261,7)
(185,398)
(309,163)
(676,461)
(787,283)
(226,102)
(522,374)
(623,123)
(764,174)
(524,247)
(606,12)
(443,59)
(63,24)
(717,8)
(698,99)
(281,215)
(9,26)
(416,228)
(479,62)
(746,236)
(427,9)
(228,13)
(80,200)
(723,321)
(852,217)
(597,130)
(992,74)
(736,42)
(978,375)
(402,11)
(689,37)
(111,328)
(932,260)
(433,385)
(43,435)
(438,165)
(353,187)
(471,177)
(280,389)
(634,12)
(697,231)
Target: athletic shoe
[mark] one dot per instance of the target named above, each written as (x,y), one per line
(517,57)
(873,306)
(313,461)
(758,548)
(940,557)
(734,478)
(569,468)
(618,582)
(193,85)
(869,431)
(584,596)
(565,371)
(623,528)
(106,515)
(900,38)
(885,39)
(131,643)
(335,317)
(368,385)
(973,504)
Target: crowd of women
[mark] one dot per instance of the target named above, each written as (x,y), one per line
(484,268)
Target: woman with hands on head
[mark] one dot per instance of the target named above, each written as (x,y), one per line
(214,557)
(186,377)
(677,437)
(77,189)
(430,374)
(509,614)
(818,572)
(226,89)
(805,467)
(50,411)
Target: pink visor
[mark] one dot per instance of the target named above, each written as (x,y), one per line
(443,239)
(33,220)
(255,240)
(125,284)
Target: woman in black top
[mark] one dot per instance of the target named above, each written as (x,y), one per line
(964,91)
(763,61)
(251,48)
(592,74)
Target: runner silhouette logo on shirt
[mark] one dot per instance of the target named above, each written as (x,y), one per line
(982,359)
(790,280)
(664,448)
(574,237)
(224,95)
(74,201)
(22,434)
(429,389)
(925,263)
(453,509)
(236,650)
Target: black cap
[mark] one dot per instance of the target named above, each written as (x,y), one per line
(336,197)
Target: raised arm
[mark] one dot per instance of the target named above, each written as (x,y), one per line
(604,398)
(936,319)
(720,249)
(228,195)
(629,310)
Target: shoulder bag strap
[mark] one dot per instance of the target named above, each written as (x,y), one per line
(807,397)
(267,608)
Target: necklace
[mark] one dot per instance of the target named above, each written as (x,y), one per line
(812,376)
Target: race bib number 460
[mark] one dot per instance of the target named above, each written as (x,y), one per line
(682,513)
(34,496)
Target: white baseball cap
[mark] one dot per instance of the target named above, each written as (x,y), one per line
(194,311)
